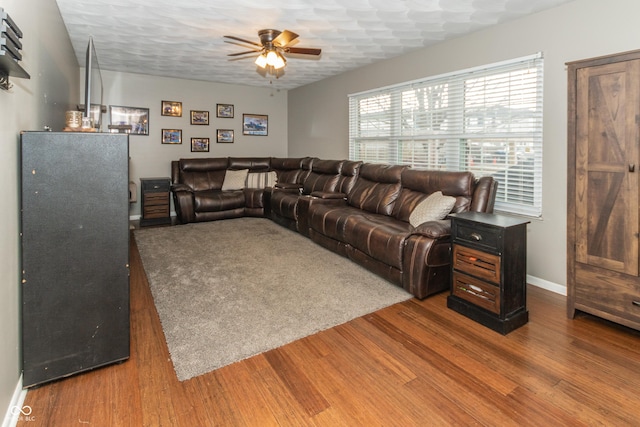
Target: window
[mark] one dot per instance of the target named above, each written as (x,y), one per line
(487,120)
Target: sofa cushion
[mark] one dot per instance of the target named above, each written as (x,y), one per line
(216,201)
(377,188)
(284,204)
(436,206)
(261,179)
(348,176)
(379,236)
(460,185)
(324,176)
(254,164)
(234,179)
(202,174)
(328,219)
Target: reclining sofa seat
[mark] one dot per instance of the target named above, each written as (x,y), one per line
(197,186)
(371,226)
(330,177)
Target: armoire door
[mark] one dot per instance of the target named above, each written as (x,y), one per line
(606,166)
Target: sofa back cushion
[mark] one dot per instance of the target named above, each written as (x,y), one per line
(377,188)
(348,176)
(418,184)
(253,164)
(291,170)
(324,176)
(203,174)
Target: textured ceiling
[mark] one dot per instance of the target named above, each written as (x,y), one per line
(183,39)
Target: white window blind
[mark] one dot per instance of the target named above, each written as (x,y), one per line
(487,120)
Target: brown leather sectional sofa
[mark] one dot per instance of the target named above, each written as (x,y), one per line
(360,211)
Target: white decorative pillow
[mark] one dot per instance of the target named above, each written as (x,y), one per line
(436,206)
(234,179)
(261,179)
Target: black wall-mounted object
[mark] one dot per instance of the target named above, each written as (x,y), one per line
(10,51)
(75,252)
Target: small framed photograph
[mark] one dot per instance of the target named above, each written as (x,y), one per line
(255,124)
(200,145)
(199,117)
(123,117)
(172,108)
(224,135)
(224,111)
(172,136)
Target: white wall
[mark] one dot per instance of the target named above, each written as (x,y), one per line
(29,105)
(151,158)
(576,30)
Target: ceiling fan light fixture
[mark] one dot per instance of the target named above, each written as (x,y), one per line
(272,58)
(261,61)
(279,63)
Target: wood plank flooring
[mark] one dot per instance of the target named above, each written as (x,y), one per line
(416,363)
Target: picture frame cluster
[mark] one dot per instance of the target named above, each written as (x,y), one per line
(135,121)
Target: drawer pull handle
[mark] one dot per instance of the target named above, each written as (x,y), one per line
(156,186)
(475,236)
(636,303)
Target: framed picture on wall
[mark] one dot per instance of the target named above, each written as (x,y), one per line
(172,136)
(224,111)
(199,145)
(172,108)
(199,117)
(137,118)
(224,135)
(255,124)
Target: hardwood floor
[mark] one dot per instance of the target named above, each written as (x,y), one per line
(414,363)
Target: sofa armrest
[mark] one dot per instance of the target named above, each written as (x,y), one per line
(289,186)
(183,202)
(427,259)
(181,187)
(328,195)
(438,229)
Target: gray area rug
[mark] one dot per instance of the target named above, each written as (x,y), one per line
(227,290)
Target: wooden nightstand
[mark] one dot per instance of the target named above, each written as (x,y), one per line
(488,269)
(156,203)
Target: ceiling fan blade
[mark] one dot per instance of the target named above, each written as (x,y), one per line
(245,53)
(243,40)
(303,50)
(284,38)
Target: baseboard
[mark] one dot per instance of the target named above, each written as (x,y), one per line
(137,217)
(545,284)
(16,408)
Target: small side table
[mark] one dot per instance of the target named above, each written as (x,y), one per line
(488,269)
(156,203)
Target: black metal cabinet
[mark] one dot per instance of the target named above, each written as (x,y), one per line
(489,269)
(156,203)
(75,253)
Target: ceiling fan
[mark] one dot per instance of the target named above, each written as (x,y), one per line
(271,50)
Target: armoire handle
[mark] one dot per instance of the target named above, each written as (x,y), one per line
(632,167)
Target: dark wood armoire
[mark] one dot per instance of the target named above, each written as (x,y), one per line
(603,187)
(74,252)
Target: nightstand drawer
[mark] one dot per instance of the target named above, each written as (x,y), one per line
(476,292)
(476,263)
(476,235)
(150,185)
(159,211)
(156,198)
